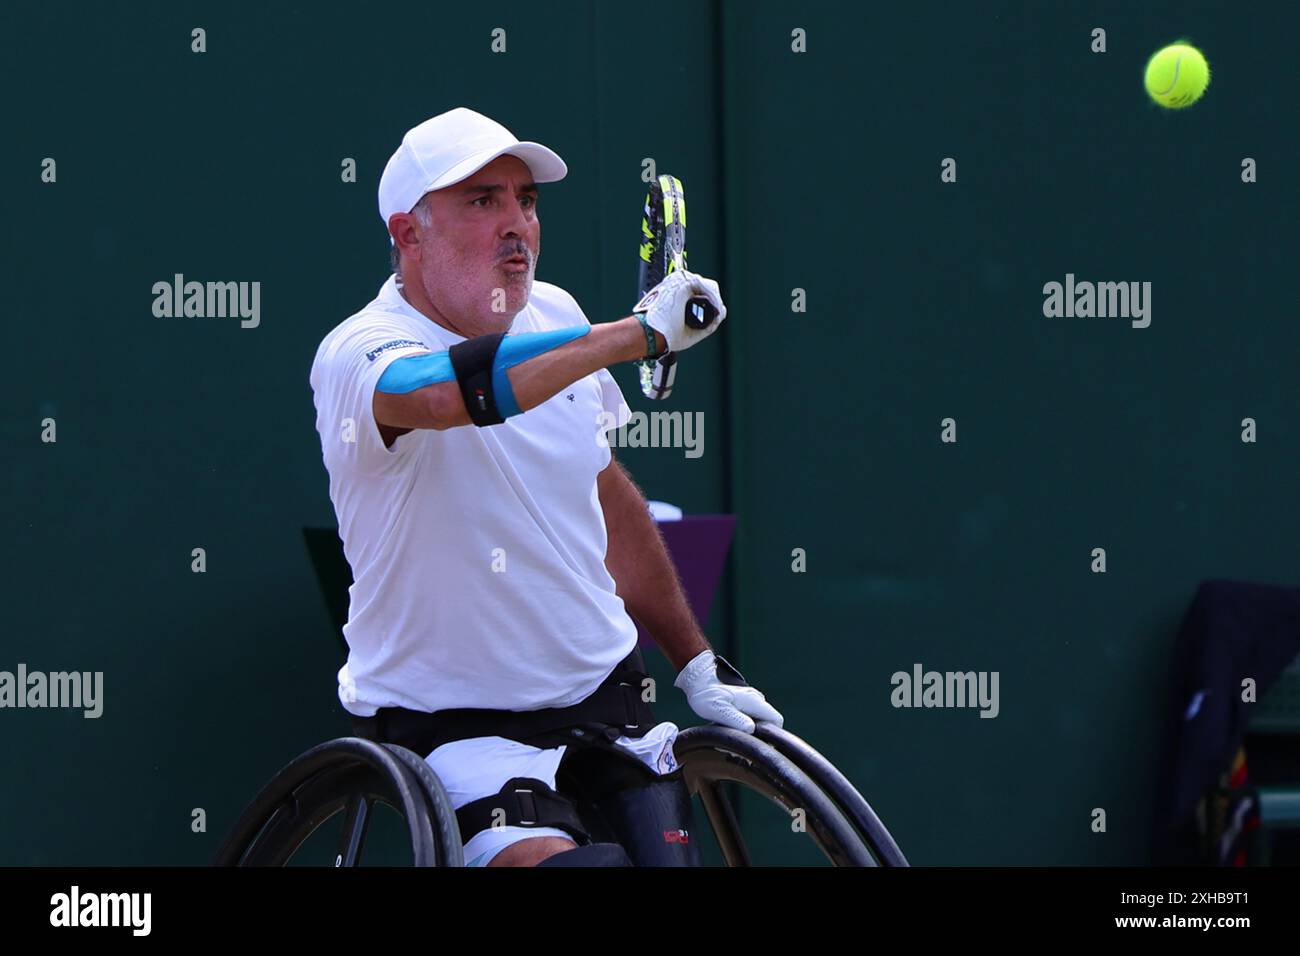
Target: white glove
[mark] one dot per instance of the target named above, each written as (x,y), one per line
(665,308)
(731,704)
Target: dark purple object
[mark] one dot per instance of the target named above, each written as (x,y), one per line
(698,545)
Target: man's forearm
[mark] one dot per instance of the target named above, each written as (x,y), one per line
(608,343)
(643,573)
(532,381)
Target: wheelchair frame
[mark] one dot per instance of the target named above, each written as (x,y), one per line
(350,775)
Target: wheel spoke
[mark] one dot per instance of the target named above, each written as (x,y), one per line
(722,818)
(355,822)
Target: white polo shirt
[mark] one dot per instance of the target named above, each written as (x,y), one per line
(478,554)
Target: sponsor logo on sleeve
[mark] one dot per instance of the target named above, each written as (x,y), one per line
(395,344)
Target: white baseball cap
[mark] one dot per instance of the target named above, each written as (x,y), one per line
(450,147)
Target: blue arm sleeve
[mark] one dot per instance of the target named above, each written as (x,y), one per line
(520,348)
(410,372)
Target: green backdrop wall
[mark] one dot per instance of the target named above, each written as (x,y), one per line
(816,171)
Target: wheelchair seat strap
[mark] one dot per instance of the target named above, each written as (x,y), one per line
(522,802)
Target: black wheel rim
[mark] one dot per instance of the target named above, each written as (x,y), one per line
(350,776)
(712,754)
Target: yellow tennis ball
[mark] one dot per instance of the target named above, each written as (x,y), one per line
(1177,76)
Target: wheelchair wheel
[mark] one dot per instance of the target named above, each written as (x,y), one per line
(346,776)
(846,797)
(784,769)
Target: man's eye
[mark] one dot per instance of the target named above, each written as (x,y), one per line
(529,201)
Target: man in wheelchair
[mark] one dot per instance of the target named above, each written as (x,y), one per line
(498,551)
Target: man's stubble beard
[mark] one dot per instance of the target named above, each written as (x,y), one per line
(517,288)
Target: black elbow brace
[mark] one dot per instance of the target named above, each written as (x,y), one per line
(473,362)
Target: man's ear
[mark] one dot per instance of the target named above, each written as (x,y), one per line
(401,226)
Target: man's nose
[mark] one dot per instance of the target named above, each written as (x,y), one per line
(516,220)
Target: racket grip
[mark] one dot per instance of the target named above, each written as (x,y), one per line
(700,313)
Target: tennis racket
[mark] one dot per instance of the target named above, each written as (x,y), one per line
(663,251)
